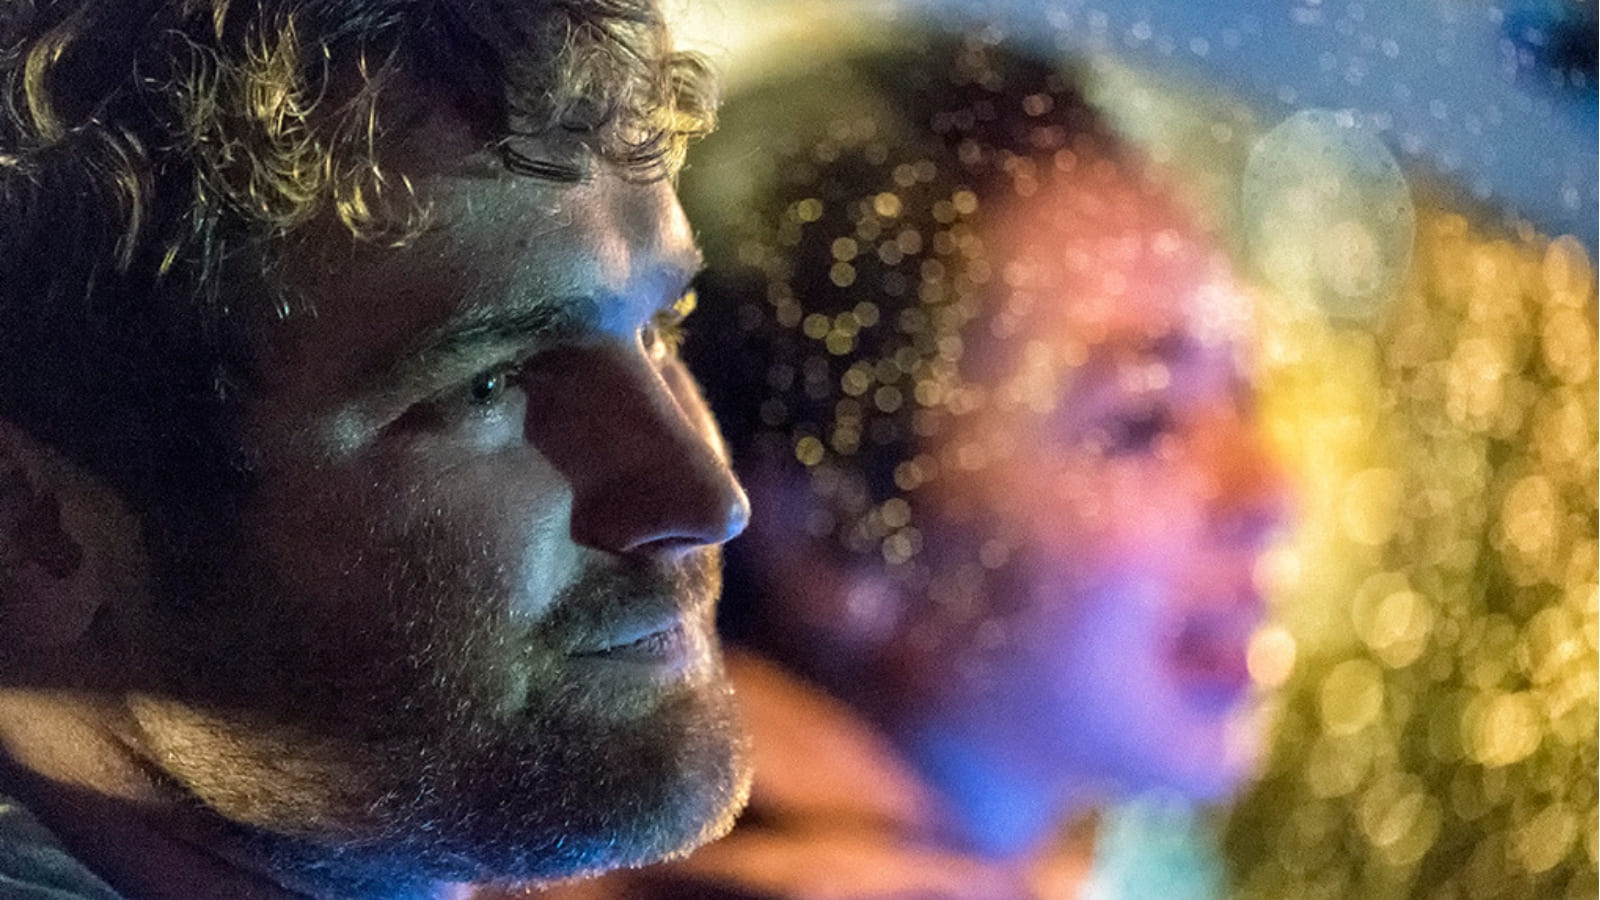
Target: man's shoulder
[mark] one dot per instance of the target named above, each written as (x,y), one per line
(35,866)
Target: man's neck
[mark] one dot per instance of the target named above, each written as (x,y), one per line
(63,759)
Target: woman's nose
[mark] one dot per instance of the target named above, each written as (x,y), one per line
(1252,494)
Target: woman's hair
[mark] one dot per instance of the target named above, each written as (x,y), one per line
(146,146)
(845,211)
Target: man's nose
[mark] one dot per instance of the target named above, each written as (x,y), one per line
(639,449)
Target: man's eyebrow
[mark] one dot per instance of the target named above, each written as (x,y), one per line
(476,337)
(678,271)
(695,265)
(480,336)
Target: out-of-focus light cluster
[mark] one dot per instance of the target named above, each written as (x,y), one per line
(867,265)
(1437,737)
(1436,732)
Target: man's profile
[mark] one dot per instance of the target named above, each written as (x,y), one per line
(987,377)
(357,518)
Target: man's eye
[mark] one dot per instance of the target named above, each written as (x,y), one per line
(664,335)
(489,386)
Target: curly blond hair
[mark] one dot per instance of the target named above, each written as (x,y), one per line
(146,144)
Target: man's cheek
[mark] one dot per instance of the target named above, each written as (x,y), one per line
(508,528)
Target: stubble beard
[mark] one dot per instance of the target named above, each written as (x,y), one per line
(386,779)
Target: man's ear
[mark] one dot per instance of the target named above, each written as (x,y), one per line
(67,544)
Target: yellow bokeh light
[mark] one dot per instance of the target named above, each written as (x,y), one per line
(1396,627)
(1500,729)
(1351,696)
(1270,657)
(1543,840)
(1371,507)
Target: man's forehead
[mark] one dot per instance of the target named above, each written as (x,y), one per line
(493,241)
(435,137)
(604,238)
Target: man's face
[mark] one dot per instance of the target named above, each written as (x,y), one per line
(461,627)
(1118,448)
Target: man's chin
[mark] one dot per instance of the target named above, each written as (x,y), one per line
(654,791)
(577,791)
(705,784)
(698,809)
(609,780)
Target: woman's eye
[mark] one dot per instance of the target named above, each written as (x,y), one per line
(1134,432)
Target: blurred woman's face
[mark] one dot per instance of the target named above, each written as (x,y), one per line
(1116,446)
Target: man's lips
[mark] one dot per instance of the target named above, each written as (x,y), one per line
(652,635)
(663,647)
(643,637)
(636,614)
